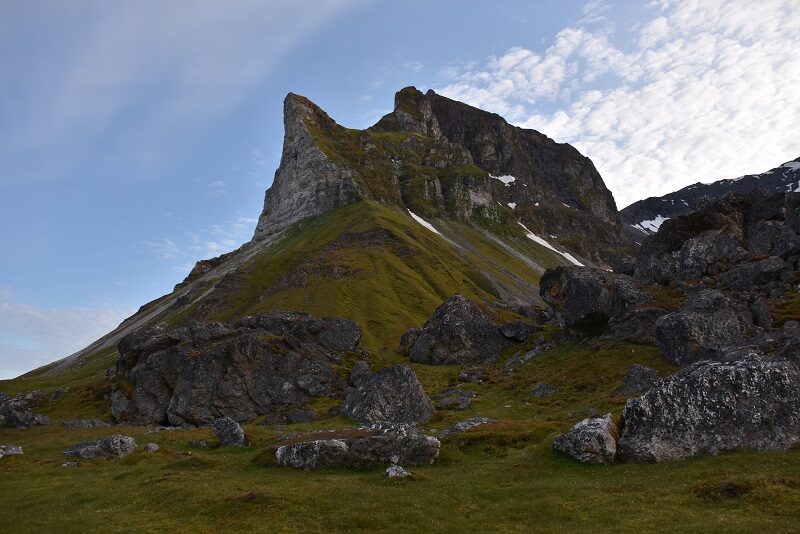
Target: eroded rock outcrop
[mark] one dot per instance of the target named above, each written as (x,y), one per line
(198,373)
(709,407)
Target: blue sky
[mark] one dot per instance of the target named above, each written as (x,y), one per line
(138,137)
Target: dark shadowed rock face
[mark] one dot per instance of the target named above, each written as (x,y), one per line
(585,299)
(115,446)
(704,326)
(257,365)
(457,332)
(591,441)
(380,443)
(710,407)
(16,411)
(391,394)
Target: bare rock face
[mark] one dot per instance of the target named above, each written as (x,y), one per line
(229,432)
(711,407)
(591,441)
(585,299)
(379,443)
(198,373)
(116,446)
(391,394)
(704,326)
(457,332)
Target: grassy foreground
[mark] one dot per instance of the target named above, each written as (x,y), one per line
(503,477)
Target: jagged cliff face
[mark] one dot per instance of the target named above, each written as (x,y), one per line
(439,159)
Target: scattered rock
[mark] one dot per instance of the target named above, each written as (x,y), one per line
(463,426)
(198,444)
(543,390)
(257,365)
(638,380)
(704,326)
(710,407)
(151,447)
(10,450)
(116,446)
(302,415)
(395,471)
(376,444)
(457,332)
(592,441)
(71,464)
(454,403)
(84,423)
(16,411)
(473,374)
(229,432)
(391,394)
(518,330)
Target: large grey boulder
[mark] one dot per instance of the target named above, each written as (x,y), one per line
(229,432)
(457,332)
(585,298)
(391,394)
(704,326)
(379,443)
(116,446)
(710,407)
(591,441)
(258,365)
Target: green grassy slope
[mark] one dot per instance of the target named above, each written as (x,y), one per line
(502,478)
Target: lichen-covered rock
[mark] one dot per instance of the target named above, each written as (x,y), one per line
(591,441)
(458,332)
(254,366)
(704,326)
(638,380)
(229,432)
(379,443)
(391,394)
(463,426)
(710,407)
(84,423)
(397,472)
(10,450)
(585,299)
(116,446)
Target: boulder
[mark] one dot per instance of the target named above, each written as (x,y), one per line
(397,472)
(391,394)
(591,441)
(457,332)
(116,446)
(463,426)
(710,407)
(638,380)
(229,432)
(372,445)
(701,329)
(302,415)
(151,447)
(84,423)
(584,298)
(637,326)
(16,411)
(541,390)
(258,365)
(71,464)
(766,274)
(472,374)
(454,403)
(10,450)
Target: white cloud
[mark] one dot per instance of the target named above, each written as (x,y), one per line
(707,90)
(31,337)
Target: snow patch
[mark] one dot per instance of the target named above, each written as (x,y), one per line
(530,235)
(507,179)
(512,205)
(651,225)
(423,222)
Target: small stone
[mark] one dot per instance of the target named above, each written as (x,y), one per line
(472,374)
(395,471)
(198,444)
(10,450)
(71,464)
(541,390)
(229,432)
(151,447)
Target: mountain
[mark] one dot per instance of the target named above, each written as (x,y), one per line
(644,217)
(381,225)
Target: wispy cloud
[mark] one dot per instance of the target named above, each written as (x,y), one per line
(31,337)
(707,90)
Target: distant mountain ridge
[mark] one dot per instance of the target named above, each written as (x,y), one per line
(644,217)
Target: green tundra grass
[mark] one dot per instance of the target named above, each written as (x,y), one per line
(501,477)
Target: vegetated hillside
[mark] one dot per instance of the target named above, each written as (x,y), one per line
(644,217)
